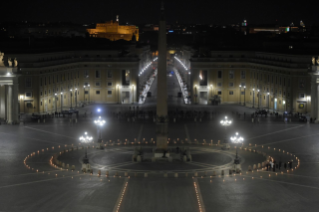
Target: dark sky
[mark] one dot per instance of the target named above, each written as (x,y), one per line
(146,11)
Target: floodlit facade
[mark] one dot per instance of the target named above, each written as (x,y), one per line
(55,81)
(113,31)
(278,82)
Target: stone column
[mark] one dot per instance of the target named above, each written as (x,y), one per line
(9,104)
(15,100)
(313,98)
(161,108)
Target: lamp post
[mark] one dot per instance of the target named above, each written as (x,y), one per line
(225,123)
(21,100)
(99,123)
(284,104)
(71,97)
(268,101)
(237,140)
(61,101)
(240,94)
(56,102)
(253,97)
(244,95)
(86,140)
(258,97)
(76,97)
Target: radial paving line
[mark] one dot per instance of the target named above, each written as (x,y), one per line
(120,198)
(24,137)
(277,181)
(140,133)
(39,181)
(199,196)
(187,134)
(290,139)
(279,131)
(44,131)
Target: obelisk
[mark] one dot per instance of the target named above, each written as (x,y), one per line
(161,107)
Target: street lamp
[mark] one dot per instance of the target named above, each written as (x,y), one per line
(61,101)
(268,101)
(71,97)
(76,97)
(56,102)
(253,97)
(244,95)
(237,139)
(225,123)
(258,97)
(240,94)
(86,140)
(284,103)
(99,123)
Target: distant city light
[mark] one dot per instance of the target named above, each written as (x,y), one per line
(146,67)
(181,63)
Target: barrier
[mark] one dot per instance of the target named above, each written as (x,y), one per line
(259,166)
(176,175)
(249,168)
(254,167)
(73,167)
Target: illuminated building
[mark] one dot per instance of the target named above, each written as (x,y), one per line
(285,77)
(54,81)
(113,31)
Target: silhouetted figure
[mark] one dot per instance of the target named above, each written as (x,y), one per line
(285,165)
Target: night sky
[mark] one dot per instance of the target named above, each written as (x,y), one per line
(146,11)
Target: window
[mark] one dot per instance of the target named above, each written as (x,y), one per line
(231,84)
(302,95)
(231,92)
(279,80)
(109,83)
(41,103)
(109,74)
(28,82)
(243,74)
(242,92)
(40,93)
(28,94)
(97,92)
(125,77)
(301,83)
(284,81)
(29,105)
(202,78)
(109,92)
(219,92)
(97,74)
(219,84)
(86,92)
(97,84)
(231,74)
(219,74)
(86,74)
